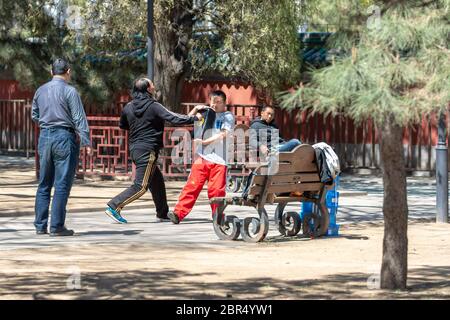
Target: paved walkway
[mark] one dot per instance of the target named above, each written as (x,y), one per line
(360,202)
(145,259)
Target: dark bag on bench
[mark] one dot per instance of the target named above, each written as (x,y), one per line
(324,171)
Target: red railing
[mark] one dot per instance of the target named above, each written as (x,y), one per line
(110,149)
(16,127)
(172,146)
(356,145)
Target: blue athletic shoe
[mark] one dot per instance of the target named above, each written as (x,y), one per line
(113,214)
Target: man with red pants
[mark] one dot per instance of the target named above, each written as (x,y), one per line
(210,163)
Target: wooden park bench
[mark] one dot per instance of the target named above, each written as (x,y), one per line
(273,183)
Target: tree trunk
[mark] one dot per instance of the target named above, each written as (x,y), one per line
(172,37)
(394,266)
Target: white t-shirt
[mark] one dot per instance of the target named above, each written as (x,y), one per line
(216,152)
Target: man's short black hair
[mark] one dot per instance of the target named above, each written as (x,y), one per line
(218,93)
(266,106)
(141,85)
(60,66)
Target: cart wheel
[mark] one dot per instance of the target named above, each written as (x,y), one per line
(255,229)
(233,184)
(226,227)
(291,223)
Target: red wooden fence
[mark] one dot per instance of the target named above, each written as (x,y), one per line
(356,145)
(16,127)
(110,149)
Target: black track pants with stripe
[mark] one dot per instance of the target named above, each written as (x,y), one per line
(148,177)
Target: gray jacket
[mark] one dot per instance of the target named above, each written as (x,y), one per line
(58,104)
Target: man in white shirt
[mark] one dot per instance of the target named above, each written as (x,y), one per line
(211,161)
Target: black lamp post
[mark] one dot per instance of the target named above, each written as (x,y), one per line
(150,57)
(442,172)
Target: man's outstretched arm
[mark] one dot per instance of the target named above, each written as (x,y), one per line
(172,117)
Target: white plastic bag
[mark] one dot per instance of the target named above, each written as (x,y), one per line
(331,158)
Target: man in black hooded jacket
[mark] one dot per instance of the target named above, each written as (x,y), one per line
(144,118)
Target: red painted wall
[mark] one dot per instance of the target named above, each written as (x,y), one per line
(192,92)
(237,93)
(10,90)
(243,94)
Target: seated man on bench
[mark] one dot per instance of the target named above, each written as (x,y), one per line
(266,125)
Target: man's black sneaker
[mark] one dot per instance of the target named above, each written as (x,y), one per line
(63,233)
(173,217)
(41,232)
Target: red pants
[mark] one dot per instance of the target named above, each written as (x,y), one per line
(201,172)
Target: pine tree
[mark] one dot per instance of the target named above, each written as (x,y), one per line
(250,40)
(392,68)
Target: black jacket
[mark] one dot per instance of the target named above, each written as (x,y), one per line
(259,126)
(324,170)
(144,117)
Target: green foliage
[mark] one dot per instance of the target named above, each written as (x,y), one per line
(254,40)
(258,42)
(22,49)
(400,68)
(31,37)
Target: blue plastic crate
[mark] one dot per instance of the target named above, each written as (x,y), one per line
(333,230)
(332,213)
(332,203)
(332,199)
(307,207)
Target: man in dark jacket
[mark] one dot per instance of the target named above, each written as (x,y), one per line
(144,117)
(262,130)
(265,126)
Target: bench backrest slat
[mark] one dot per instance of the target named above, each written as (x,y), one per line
(297,171)
(289,178)
(288,168)
(281,188)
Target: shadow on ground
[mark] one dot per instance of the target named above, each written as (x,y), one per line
(429,282)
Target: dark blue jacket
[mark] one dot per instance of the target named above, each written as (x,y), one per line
(261,127)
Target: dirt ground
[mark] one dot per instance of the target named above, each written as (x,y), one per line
(281,268)
(143,260)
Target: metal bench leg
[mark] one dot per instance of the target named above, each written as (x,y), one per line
(255,229)
(324,215)
(320,218)
(226,227)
